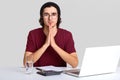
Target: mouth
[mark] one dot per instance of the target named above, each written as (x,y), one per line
(50,23)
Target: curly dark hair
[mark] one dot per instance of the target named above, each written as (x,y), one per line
(49,4)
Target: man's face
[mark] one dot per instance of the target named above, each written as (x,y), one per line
(50,16)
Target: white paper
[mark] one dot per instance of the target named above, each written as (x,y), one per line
(53,68)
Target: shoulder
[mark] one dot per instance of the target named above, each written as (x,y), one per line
(37,30)
(65,32)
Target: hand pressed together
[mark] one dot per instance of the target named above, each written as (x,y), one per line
(50,36)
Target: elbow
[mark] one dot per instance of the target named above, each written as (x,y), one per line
(75,64)
(24,63)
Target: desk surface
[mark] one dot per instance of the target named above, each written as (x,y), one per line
(19,74)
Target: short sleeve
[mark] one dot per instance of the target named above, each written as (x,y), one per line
(30,46)
(69,46)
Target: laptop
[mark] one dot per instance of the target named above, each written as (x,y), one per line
(97,60)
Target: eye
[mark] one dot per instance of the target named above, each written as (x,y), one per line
(54,14)
(45,14)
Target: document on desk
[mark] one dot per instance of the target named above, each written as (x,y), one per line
(52,68)
(49,70)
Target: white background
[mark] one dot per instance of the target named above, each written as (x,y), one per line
(92,22)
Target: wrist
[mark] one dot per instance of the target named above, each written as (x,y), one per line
(54,45)
(45,46)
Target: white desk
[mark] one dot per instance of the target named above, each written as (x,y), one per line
(19,74)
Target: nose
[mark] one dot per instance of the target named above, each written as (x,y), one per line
(50,17)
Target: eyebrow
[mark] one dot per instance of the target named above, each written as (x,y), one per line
(48,13)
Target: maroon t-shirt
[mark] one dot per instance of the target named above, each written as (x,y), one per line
(63,39)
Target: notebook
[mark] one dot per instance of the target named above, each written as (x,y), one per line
(97,60)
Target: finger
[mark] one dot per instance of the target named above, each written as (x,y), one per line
(50,26)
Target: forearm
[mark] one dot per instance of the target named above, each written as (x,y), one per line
(35,56)
(39,52)
(68,58)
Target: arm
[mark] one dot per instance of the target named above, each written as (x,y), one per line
(70,58)
(35,55)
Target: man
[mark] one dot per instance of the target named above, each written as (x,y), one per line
(51,45)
